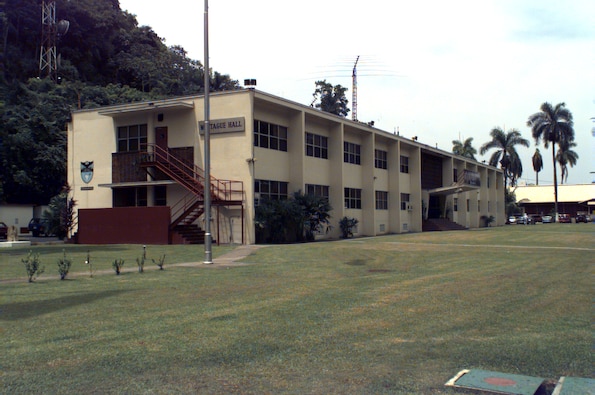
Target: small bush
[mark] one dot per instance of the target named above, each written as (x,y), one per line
(347,225)
(64,266)
(160,262)
(117,265)
(140,262)
(33,266)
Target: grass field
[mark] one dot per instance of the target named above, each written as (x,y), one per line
(397,314)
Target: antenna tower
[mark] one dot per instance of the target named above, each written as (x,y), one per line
(48,65)
(354,91)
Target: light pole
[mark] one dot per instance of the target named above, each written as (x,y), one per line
(207,146)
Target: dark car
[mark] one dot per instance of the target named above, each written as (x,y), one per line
(3,230)
(38,227)
(564,218)
(536,218)
(582,218)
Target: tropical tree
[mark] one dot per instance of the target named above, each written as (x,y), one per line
(315,213)
(566,156)
(553,125)
(537,164)
(464,148)
(506,154)
(330,98)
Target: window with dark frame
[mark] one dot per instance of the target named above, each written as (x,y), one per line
(353,198)
(160,195)
(316,146)
(351,153)
(380,159)
(131,138)
(404,160)
(455,204)
(318,190)
(269,135)
(271,190)
(404,201)
(381,200)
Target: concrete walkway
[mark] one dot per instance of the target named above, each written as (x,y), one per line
(232,258)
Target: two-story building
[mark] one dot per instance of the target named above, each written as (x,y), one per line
(136,171)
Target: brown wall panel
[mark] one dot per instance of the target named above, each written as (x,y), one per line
(124,225)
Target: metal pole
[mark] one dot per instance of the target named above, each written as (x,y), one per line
(207,188)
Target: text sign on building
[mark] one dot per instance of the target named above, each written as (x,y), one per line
(227,125)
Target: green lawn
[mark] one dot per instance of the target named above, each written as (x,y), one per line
(397,314)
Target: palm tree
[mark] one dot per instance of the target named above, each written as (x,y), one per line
(505,153)
(553,125)
(464,148)
(566,156)
(537,164)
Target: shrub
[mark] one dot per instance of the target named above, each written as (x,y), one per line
(140,262)
(117,265)
(64,266)
(32,265)
(160,262)
(347,224)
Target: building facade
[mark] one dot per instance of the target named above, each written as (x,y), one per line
(126,160)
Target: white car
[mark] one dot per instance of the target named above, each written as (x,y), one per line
(546,219)
(512,219)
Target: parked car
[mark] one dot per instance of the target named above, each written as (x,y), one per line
(536,218)
(564,219)
(582,218)
(39,227)
(511,220)
(546,219)
(3,230)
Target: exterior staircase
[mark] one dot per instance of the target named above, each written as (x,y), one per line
(185,212)
(440,224)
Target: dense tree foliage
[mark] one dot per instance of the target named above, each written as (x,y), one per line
(331,98)
(104,58)
(505,153)
(464,148)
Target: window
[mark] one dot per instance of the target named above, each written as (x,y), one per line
(271,190)
(268,135)
(316,145)
(160,195)
(468,205)
(381,200)
(131,138)
(456,204)
(351,153)
(130,197)
(478,206)
(380,159)
(317,190)
(488,181)
(404,201)
(353,198)
(455,175)
(404,164)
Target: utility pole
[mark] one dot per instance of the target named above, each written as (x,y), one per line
(207,187)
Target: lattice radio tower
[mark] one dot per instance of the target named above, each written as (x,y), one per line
(48,61)
(354,91)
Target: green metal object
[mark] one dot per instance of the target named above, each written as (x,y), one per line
(574,385)
(496,382)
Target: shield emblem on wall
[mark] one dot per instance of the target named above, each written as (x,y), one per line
(87,171)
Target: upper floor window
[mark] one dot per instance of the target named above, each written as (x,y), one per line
(269,135)
(381,200)
(316,145)
(132,137)
(353,198)
(404,164)
(318,190)
(380,159)
(455,175)
(271,190)
(351,153)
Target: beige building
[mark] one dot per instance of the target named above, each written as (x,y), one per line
(146,159)
(572,199)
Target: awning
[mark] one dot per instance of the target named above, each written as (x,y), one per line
(453,189)
(146,106)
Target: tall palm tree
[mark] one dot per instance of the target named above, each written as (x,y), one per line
(505,153)
(537,164)
(566,156)
(464,148)
(552,125)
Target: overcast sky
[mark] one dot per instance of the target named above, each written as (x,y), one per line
(439,70)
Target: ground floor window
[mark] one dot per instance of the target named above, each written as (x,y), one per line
(130,197)
(353,198)
(381,200)
(160,195)
(268,189)
(404,201)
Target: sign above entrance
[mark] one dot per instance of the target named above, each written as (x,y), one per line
(227,125)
